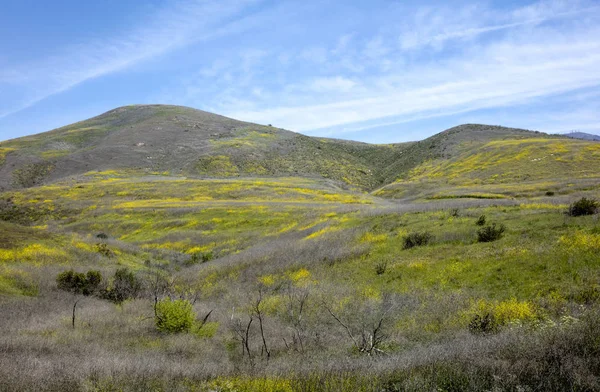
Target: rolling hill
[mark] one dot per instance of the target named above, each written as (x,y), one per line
(306,264)
(583,136)
(178,141)
(185,141)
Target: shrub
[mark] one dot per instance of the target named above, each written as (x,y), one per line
(490,233)
(174,316)
(124,286)
(455,212)
(78,282)
(381,267)
(480,221)
(200,257)
(583,206)
(549,193)
(417,239)
(483,324)
(103,249)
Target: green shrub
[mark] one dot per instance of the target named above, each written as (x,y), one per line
(32,174)
(483,324)
(480,221)
(124,286)
(79,283)
(490,233)
(174,316)
(27,213)
(583,206)
(417,239)
(103,249)
(549,193)
(380,268)
(205,330)
(200,257)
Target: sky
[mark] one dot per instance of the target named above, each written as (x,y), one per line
(378,71)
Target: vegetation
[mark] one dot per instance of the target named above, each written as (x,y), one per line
(124,286)
(583,206)
(417,239)
(174,316)
(490,233)
(32,174)
(299,283)
(481,220)
(79,283)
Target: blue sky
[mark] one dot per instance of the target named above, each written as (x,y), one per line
(377,71)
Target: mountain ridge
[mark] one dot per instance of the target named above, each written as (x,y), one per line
(582,135)
(183,141)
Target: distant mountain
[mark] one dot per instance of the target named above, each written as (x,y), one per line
(583,136)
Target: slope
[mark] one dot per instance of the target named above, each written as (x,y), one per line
(185,141)
(583,135)
(494,162)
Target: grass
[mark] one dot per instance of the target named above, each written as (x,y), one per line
(290,254)
(522,167)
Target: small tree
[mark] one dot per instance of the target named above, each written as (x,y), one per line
(485,324)
(174,316)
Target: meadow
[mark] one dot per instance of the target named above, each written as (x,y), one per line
(300,285)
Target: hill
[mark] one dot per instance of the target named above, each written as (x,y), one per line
(494,162)
(174,140)
(178,141)
(184,141)
(476,280)
(583,136)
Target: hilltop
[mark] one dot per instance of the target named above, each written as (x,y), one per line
(184,141)
(135,141)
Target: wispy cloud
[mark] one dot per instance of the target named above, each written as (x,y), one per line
(178,25)
(534,57)
(335,67)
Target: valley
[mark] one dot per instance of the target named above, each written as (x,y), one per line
(452,263)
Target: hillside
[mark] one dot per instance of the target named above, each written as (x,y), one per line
(288,274)
(583,136)
(177,141)
(183,141)
(494,162)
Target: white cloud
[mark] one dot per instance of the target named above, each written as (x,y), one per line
(507,72)
(335,84)
(435,26)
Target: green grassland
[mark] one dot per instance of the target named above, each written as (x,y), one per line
(279,240)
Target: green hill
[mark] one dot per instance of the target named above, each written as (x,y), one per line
(184,141)
(296,276)
(177,141)
(482,161)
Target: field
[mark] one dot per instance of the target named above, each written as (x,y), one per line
(305,284)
